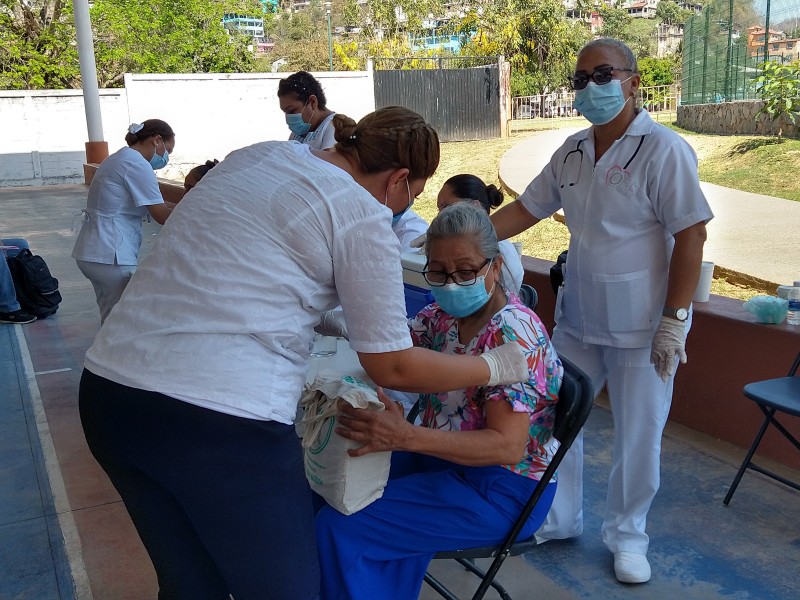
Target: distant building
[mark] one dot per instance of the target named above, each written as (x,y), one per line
(779,46)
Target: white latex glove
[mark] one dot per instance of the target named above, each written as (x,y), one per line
(668,344)
(507,364)
(332,323)
(420,243)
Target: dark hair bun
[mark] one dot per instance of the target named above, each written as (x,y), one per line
(495,195)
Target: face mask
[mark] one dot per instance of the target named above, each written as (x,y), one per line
(462,301)
(296,123)
(159,161)
(396,218)
(600,104)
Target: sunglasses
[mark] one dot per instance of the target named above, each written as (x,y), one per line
(601,76)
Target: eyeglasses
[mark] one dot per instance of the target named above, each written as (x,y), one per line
(601,76)
(462,277)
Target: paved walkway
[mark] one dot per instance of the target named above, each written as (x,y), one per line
(751,234)
(64,534)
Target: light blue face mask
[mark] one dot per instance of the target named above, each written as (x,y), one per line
(296,123)
(600,104)
(396,218)
(159,161)
(462,301)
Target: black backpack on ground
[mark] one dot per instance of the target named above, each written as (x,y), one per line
(37,290)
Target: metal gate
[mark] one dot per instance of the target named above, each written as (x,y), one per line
(461,103)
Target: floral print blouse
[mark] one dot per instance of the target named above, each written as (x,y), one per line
(463,410)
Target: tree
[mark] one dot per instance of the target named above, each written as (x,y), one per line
(535,37)
(37,45)
(670,13)
(658,71)
(168,36)
(779,88)
(640,35)
(615,20)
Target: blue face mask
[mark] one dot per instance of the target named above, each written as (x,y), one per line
(159,161)
(600,104)
(462,301)
(396,218)
(296,123)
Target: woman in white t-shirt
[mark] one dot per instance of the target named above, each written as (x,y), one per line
(471,188)
(190,389)
(300,95)
(124,191)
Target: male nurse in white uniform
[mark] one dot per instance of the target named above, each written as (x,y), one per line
(637,218)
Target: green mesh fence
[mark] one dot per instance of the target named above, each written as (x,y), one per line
(725,44)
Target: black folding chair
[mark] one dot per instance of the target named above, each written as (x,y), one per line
(771,396)
(574,404)
(528,296)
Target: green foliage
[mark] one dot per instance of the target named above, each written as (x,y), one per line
(638,34)
(779,88)
(670,13)
(168,36)
(615,20)
(37,45)
(658,71)
(535,37)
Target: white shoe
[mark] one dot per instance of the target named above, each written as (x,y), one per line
(631,567)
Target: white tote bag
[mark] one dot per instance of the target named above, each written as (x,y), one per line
(348,484)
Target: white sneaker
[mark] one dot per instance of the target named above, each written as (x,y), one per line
(631,567)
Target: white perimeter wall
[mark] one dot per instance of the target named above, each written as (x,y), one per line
(44,131)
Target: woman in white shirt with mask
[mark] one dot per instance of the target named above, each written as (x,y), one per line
(124,191)
(190,390)
(301,97)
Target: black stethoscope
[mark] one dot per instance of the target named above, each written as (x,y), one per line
(615,175)
(564,166)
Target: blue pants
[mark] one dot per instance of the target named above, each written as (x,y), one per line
(429,505)
(221,503)
(8,296)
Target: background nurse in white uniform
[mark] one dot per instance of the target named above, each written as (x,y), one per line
(632,201)
(122,193)
(301,95)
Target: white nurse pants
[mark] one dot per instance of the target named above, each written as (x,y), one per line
(640,403)
(108,281)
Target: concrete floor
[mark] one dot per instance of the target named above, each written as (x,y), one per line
(64,533)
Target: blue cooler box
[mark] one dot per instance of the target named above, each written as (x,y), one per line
(416,299)
(418,294)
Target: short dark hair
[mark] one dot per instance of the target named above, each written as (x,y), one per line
(139,132)
(303,85)
(471,187)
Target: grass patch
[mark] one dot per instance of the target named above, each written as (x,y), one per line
(757,164)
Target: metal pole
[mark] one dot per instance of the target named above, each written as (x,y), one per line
(729,56)
(96,147)
(91,94)
(330,40)
(766,35)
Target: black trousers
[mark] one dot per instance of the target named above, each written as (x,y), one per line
(221,503)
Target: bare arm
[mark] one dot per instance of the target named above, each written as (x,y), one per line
(512,219)
(421,370)
(160,212)
(502,442)
(684,267)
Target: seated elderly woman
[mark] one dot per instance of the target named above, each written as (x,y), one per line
(460,478)
(470,188)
